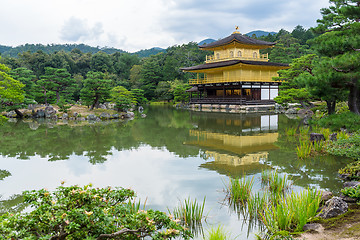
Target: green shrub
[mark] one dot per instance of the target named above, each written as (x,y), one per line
(348,147)
(335,122)
(352,192)
(351,169)
(87,213)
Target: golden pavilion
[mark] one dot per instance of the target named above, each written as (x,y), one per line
(237,73)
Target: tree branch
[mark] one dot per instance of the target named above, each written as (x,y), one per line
(340,70)
(116,234)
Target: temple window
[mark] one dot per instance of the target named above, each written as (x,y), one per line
(231,54)
(254,55)
(239,54)
(217,55)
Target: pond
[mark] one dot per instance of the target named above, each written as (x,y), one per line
(168,156)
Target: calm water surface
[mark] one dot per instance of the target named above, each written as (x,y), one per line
(168,156)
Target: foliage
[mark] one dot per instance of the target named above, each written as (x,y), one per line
(85,212)
(303,151)
(348,147)
(63,105)
(180,94)
(96,89)
(277,183)
(292,96)
(121,97)
(11,90)
(336,122)
(190,213)
(339,45)
(238,191)
(138,97)
(353,192)
(352,170)
(291,212)
(217,233)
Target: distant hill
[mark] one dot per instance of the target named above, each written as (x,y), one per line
(51,48)
(149,52)
(206,41)
(259,33)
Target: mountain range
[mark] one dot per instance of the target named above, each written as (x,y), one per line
(51,48)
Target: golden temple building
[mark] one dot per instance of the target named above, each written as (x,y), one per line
(237,73)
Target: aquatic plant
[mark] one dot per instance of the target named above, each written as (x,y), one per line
(303,151)
(217,233)
(290,131)
(276,182)
(318,146)
(291,212)
(239,190)
(191,213)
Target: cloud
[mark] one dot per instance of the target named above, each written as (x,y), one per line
(75,29)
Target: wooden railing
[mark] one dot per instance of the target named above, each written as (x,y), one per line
(229,79)
(213,58)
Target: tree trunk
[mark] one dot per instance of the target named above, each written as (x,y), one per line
(95,104)
(331,106)
(353,97)
(57,97)
(18,113)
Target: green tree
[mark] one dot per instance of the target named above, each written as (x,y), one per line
(138,97)
(28,78)
(339,45)
(88,213)
(59,81)
(95,89)
(121,97)
(101,62)
(11,91)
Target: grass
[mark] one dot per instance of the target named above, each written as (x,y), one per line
(191,213)
(239,190)
(217,233)
(290,131)
(276,182)
(303,151)
(291,212)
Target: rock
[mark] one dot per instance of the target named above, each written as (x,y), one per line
(11,114)
(34,125)
(129,115)
(91,117)
(75,114)
(115,116)
(291,111)
(306,112)
(326,195)
(345,176)
(105,116)
(40,113)
(143,115)
(49,111)
(348,199)
(140,109)
(316,137)
(312,227)
(65,116)
(97,119)
(71,118)
(102,106)
(333,207)
(81,118)
(352,184)
(333,137)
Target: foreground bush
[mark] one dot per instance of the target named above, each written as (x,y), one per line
(336,122)
(87,213)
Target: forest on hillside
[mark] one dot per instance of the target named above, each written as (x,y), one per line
(321,58)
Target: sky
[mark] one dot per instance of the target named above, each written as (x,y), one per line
(132,25)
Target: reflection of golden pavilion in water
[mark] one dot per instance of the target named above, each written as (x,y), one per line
(232,152)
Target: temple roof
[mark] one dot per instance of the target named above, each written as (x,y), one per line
(237,37)
(233,62)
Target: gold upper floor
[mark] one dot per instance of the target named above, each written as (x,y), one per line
(238,52)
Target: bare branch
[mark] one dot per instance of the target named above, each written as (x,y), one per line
(340,70)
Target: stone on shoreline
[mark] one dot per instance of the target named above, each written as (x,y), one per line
(333,207)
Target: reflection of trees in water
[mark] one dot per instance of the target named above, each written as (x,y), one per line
(162,128)
(4,174)
(13,204)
